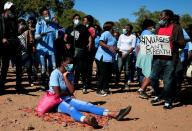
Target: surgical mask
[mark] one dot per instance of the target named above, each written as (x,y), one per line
(69,67)
(47,18)
(76,21)
(153,30)
(124,31)
(162,22)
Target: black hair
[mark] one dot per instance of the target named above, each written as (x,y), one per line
(76,15)
(131,27)
(98,28)
(32,19)
(64,59)
(169,13)
(22,26)
(108,25)
(21,21)
(43,9)
(147,23)
(90,19)
(176,19)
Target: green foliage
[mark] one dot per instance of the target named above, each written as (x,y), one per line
(65,13)
(121,23)
(143,13)
(186,20)
(66,18)
(35,5)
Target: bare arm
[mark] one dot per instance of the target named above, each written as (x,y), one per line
(111,48)
(68,83)
(90,45)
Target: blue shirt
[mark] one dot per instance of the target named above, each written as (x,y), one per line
(105,54)
(188,46)
(97,42)
(57,80)
(46,43)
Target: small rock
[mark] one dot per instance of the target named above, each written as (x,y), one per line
(9,99)
(30,127)
(14,121)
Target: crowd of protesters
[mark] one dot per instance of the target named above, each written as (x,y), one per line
(40,44)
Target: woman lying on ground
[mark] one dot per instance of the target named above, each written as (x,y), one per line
(61,84)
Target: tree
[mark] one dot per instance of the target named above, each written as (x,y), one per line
(185,20)
(66,18)
(141,15)
(121,23)
(34,5)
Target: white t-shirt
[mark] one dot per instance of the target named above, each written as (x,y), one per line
(125,43)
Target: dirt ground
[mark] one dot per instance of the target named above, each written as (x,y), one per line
(143,116)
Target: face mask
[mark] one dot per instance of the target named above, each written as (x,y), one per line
(76,22)
(47,18)
(153,30)
(69,67)
(124,31)
(162,22)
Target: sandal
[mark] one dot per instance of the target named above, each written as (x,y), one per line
(123,113)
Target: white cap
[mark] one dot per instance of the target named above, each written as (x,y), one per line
(8,5)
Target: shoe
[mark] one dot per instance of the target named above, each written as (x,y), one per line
(84,91)
(126,87)
(128,82)
(31,84)
(156,101)
(92,121)
(98,92)
(103,93)
(42,88)
(123,113)
(143,95)
(167,105)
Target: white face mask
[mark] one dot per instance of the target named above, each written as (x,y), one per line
(47,18)
(76,21)
(124,31)
(69,67)
(153,30)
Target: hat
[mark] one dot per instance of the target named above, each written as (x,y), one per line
(8,5)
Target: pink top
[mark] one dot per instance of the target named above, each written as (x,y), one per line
(92,32)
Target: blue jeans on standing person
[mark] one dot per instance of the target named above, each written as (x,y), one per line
(166,68)
(73,107)
(51,62)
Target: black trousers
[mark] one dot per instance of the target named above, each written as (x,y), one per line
(80,65)
(11,52)
(104,75)
(27,62)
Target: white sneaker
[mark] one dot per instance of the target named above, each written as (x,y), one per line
(103,93)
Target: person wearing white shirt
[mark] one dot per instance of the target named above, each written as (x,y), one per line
(126,45)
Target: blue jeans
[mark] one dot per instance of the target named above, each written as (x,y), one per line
(73,107)
(43,63)
(166,69)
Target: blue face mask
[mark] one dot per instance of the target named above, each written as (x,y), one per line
(69,67)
